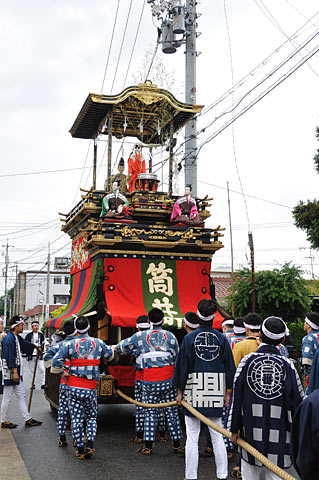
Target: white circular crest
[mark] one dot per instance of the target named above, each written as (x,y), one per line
(265,377)
(207,346)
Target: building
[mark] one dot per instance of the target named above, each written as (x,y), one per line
(30,291)
(222,281)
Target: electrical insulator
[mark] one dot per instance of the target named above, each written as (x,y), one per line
(178,19)
(168,38)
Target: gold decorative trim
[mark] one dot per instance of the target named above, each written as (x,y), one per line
(150,253)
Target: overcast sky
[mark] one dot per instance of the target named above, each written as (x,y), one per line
(54,53)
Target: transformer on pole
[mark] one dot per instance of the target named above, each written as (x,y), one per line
(178,27)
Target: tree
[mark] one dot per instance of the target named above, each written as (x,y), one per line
(306,215)
(9,301)
(58,311)
(280,292)
(159,74)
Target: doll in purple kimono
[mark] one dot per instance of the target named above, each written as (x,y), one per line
(185,209)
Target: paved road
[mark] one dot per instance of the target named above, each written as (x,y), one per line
(115,458)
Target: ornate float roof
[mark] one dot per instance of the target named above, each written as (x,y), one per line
(144,111)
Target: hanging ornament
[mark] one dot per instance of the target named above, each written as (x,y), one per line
(176,177)
(124,124)
(158,128)
(141,126)
(104,125)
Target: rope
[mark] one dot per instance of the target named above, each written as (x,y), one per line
(148,405)
(264,460)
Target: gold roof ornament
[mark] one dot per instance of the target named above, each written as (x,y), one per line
(145,104)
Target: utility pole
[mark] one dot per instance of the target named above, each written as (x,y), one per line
(232,256)
(190,97)
(177,19)
(15,293)
(6,280)
(47,306)
(252,257)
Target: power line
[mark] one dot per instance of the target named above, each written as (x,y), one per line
(251,196)
(110,47)
(133,47)
(233,131)
(123,38)
(256,100)
(266,12)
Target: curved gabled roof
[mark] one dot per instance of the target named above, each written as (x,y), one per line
(146,110)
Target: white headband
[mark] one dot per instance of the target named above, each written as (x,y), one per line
(17,323)
(77,329)
(228,322)
(252,327)
(239,330)
(205,319)
(191,325)
(156,323)
(312,325)
(143,325)
(274,336)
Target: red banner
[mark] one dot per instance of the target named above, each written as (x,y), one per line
(175,286)
(80,258)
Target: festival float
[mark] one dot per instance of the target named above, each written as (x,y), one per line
(135,246)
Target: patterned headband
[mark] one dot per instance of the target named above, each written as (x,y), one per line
(311,324)
(84,330)
(205,319)
(228,322)
(191,325)
(145,325)
(17,323)
(239,330)
(252,327)
(274,336)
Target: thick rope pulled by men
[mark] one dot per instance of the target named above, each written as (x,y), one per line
(264,460)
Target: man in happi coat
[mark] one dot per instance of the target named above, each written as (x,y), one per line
(266,395)
(203,376)
(13,345)
(63,411)
(239,332)
(157,351)
(37,338)
(142,324)
(310,343)
(252,324)
(84,354)
(228,327)
(305,438)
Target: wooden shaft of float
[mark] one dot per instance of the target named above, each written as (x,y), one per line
(94,164)
(109,150)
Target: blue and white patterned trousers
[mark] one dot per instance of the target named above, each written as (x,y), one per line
(140,411)
(83,405)
(63,409)
(160,392)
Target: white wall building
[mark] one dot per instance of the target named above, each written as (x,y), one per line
(30,290)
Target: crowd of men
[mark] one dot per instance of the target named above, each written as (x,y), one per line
(240,378)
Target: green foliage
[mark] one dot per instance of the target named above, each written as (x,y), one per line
(9,301)
(316,157)
(306,216)
(297,332)
(58,311)
(281,292)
